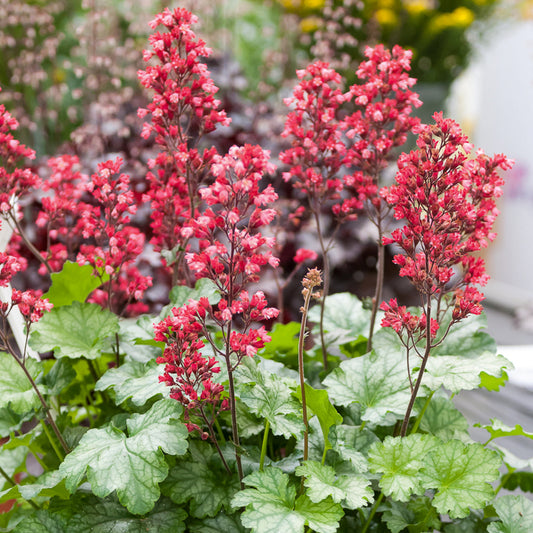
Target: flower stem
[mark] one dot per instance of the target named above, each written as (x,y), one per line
(233,410)
(376,300)
(325,260)
(372,513)
(264,446)
(419,417)
(310,281)
(52,442)
(421,371)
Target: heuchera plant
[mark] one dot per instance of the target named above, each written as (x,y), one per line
(211,416)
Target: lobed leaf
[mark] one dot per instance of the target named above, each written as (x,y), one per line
(16,391)
(461,475)
(271,506)
(138,381)
(443,420)
(198,482)
(132,465)
(400,460)
(269,396)
(76,330)
(378,383)
(497,429)
(515,513)
(73,284)
(415,516)
(351,490)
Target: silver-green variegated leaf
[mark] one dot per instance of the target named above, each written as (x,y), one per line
(351,490)
(272,506)
(271,397)
(515,513)
(200,481)
(379,384)
(400,461)
(345,319)
(76,330)
(458,372)
(461,474)
(138,381)
(16,391)
(133,464)
(443,420)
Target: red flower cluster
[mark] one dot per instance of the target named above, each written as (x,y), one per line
(31,305)
(61,210)
(318,152)
(29,302)
(386,101)
(14,181)
(187,371)
(118,244)
(447,198)
(183,104)
(231,252)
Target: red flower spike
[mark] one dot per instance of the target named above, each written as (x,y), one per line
(447,197)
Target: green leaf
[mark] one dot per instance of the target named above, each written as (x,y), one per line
(198,480)
(10,460)
(493,383)
(379,384)
(345,319)
(134,380)
(60,376)
(353,444)
(318,404)
(221,522)
(323,517)
(11,421)
(16,391)
(271,506)
(283,345)
(458,372)
(497,429)
(269,396)
(443,420)
(521,480)
(47,485)
(515,513)
(351,490)
(77,330)
(416,516)
(400,460)
(180,295)
(106,517)
(73,284)
(132,465)
(42,522)
(461,475)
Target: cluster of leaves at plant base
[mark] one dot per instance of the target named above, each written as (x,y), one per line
(134,467)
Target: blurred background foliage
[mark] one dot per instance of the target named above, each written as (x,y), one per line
(71,64)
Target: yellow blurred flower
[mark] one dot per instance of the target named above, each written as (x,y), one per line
(310,24)
(416,8)
(386,17)
(302,5)
(460,18)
